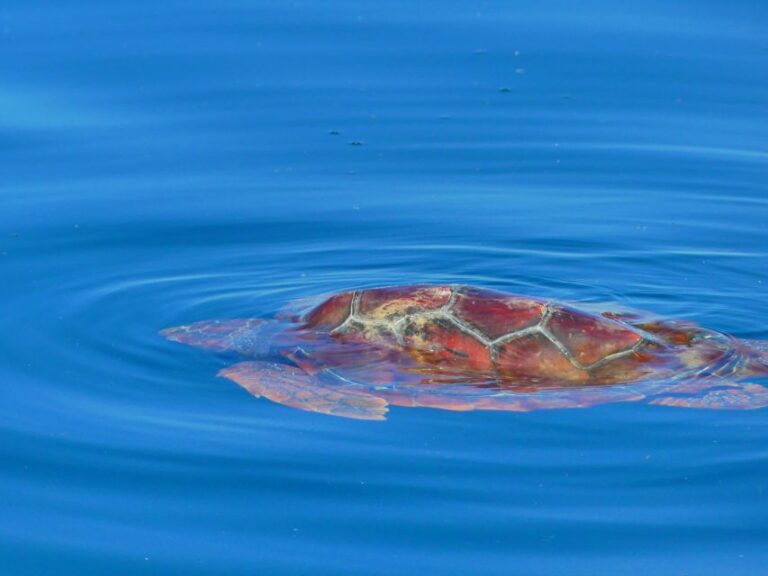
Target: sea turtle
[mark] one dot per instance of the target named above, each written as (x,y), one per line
(467,348)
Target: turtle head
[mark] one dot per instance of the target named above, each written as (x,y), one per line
(251,337)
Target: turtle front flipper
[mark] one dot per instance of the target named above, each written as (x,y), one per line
(722,395)
(291,386)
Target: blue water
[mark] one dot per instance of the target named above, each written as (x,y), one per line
(166,162)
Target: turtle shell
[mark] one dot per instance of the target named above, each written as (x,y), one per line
(464,348)
(515,337)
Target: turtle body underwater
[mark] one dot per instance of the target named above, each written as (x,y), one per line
(466,348)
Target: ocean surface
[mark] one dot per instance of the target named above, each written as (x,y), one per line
(167,162)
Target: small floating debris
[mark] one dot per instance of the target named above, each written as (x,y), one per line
(505,90)
(355,142)
(334,132)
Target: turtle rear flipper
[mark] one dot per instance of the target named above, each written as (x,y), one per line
(727,396)
(291,386)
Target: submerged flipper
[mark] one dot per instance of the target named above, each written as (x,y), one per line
(726,396)
(293,387)
(468,397)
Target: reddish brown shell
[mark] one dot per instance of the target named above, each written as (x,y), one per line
(331,313)
(476,329)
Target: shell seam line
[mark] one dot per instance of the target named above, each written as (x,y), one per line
(446,312)
(352,315)
(455,292)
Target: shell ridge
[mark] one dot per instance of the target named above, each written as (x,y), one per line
(569,355)
(544,329)
(621,353)
(351,314)
(467,328)
(455,293)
